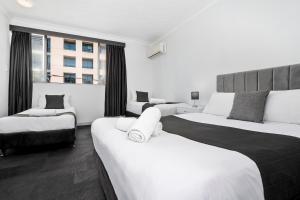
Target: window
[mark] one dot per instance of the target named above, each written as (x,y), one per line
(87,47)
(38,66)
(70,45)
(48,45)
(48,62)
(52,64)
(69,61)
(87,79)
(69,78)
(87,63)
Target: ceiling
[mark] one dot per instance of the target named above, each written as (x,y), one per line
(139,19)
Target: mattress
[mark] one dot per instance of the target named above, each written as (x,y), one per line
(40,120)
(173,167)
(166,109)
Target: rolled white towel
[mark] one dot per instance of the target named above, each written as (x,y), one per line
(145,125)
(157,101)
(158,129)
(125,123)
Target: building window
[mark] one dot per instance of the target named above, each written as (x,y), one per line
(48,45)
(87,63)
(69,78)
(69,61)
(87,47)
(87,79)
(70,45)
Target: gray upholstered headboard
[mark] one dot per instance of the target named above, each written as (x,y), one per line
(278,78)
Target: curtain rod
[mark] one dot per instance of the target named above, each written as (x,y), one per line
(64,35)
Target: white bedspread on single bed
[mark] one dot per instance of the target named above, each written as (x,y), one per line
(173,167)
(165,109)
(13,124)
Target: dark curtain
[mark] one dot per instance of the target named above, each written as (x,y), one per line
(20,73)
(116,81)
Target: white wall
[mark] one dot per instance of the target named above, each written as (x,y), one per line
(89,99)
(4,59)
(230,36)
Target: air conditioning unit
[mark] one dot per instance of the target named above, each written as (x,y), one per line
(157,49)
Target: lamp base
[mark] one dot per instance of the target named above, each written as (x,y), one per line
(194,105)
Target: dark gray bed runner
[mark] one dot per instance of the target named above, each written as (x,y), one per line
(277,156)
(148,105)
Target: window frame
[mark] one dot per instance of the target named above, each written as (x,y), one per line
(69,73)
(87,59)
(87,43)
(66,40)
(89,75)
(69,57)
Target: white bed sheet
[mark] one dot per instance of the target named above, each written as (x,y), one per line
(165,109)
(14,124)
(173,167)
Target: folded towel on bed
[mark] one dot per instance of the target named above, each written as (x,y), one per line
(125,123)
(145,125)
(158,129)
(157,101)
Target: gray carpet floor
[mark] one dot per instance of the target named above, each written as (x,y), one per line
(65,173)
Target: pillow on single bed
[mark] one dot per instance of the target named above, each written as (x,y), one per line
(283,106)
(42,100)
(54,102)
(249,106)
(142,96)
(220,103)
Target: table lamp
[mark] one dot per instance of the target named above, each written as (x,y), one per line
(195,96)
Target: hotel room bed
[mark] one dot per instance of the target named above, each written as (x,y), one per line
(174,166)
(38,127)
(135,109)
(207,156)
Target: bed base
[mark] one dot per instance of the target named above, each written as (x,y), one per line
(104,180)
(36,138)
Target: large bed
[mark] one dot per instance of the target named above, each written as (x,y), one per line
(36,127)
(207,156)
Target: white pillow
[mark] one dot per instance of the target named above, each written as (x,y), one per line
(220,104)
(133,95)
(283,106)
(157,101)
(42,100)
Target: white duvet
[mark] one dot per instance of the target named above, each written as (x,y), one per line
(173,167)
(165,109)
(14,124)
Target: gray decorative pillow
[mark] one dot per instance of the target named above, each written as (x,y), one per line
(142,96)
(54,102)
(249,106)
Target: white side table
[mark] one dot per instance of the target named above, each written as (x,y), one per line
(189,109)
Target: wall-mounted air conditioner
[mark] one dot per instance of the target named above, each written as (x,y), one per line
(157,49)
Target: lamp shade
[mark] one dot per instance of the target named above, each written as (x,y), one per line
(195,95)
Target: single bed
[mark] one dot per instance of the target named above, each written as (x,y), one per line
(135,109)
(36,126)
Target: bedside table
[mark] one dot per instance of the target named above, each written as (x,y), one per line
(189,109)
